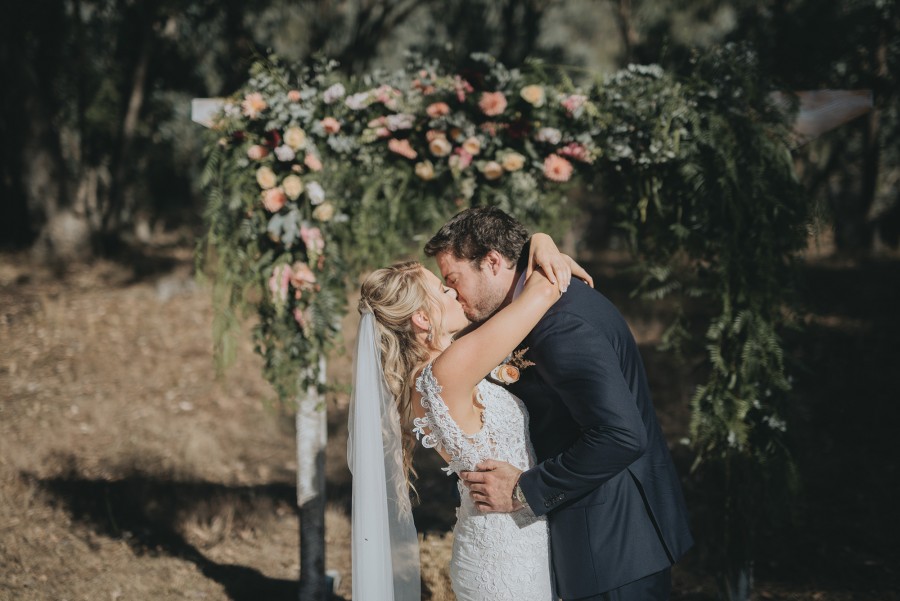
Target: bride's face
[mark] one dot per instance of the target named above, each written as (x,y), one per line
(452,315)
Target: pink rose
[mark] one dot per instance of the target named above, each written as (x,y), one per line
(253,104)
(438,109)
(462,87)
(331,125)
(573,102)
(492,103)
(313,162)
(312,238)
(557,168)
(402,147)
(278,283)
(576,151)
(460,159)
(302,276)
(257,152)
(274,199)
(294,95)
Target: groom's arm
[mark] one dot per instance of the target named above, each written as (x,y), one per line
(581,365)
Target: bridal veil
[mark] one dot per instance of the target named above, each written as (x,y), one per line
(385,547)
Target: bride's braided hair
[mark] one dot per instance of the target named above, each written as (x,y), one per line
(393,294)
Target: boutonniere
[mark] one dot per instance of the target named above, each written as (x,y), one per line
(509,371)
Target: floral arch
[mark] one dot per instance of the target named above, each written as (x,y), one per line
(313,177)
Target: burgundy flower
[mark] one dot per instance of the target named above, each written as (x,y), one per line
(273,138)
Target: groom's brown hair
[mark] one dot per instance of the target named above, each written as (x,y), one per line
(472,233)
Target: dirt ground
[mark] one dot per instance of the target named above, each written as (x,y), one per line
(128,471)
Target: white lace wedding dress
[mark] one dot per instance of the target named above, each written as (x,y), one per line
(496,556)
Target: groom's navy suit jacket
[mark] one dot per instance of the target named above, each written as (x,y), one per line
(605,477)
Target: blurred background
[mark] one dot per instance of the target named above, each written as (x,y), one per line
(129,470)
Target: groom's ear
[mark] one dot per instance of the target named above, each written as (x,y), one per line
(494,261)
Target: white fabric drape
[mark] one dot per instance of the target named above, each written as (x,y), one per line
(385,547)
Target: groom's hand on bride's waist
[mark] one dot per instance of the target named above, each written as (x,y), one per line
(491,487)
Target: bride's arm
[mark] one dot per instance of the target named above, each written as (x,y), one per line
(473,356)
(558,267)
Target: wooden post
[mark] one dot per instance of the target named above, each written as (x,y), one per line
(311,424)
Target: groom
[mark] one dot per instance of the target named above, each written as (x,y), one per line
(604,476)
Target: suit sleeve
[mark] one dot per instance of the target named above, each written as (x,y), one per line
(580,364)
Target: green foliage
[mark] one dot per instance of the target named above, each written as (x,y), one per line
(702,179)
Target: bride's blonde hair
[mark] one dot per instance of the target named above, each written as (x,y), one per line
(394,294)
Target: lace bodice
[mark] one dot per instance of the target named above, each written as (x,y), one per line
(496,556)
(503,435)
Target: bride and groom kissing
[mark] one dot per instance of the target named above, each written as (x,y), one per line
(567,486)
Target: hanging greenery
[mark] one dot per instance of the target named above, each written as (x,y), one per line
(314,177)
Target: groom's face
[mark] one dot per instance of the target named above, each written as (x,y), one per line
(478,288)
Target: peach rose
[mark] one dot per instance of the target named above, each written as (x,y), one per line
(557,168)
(294,95)
(257,152)
(440,147)
(533,95)
(506,373)
(323,212)
(293,186)
(301,275)
(294,137)
(512,161)
(274,199)
(402,147)
(265,177)
(331,125)
(492,103)
(472,146)
(313,162)
(425,170)
(253,104)
(438,109)
(492,170)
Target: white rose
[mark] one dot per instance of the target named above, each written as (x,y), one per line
(492,170)
(513,161)
(293,186)
(265,177)
(549,135)
(315,192)
(324,212)
(425,170)
(440,147)
(472,146)
(294,137)
(285,153)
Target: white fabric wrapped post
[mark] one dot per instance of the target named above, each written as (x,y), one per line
(385,547)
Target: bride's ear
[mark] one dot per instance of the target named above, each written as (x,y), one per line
(421,321)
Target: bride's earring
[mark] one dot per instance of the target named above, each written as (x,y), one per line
(430,335)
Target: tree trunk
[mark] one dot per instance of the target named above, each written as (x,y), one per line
(627,30)
(311,439)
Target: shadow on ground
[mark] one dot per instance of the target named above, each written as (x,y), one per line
(150,513)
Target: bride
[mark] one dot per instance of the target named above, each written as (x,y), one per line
(411,382)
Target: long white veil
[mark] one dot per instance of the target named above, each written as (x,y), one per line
(385,546)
